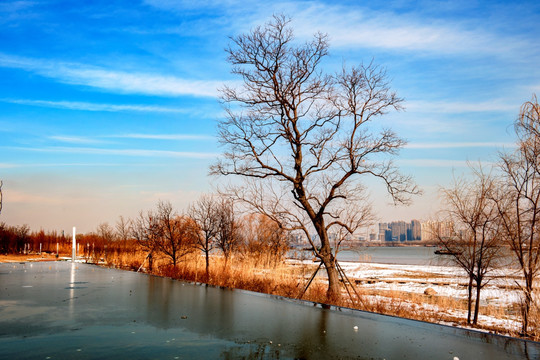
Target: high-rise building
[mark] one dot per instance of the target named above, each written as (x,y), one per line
(431,230)
(400,231)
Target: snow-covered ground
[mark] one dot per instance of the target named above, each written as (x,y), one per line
(501,289)
(447,281)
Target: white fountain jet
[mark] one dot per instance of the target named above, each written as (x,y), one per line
(73,249)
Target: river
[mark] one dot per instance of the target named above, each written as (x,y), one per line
(404,255)
(409,255)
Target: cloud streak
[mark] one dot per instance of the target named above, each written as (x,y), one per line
(362,27)
(113,80)
(165,136)
(86,106)
(458,107)
(122,152)
(436,163)
(443,145)
(98,139)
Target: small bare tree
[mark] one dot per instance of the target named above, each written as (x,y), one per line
(123,231)
(165,232)
(227,229)
(474,242)
(301,138)
(263,238)
(205,215)
(519,202)
(106,232)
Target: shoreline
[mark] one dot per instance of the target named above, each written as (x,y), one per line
(431,293)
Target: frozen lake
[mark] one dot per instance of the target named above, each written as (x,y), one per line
(57,310)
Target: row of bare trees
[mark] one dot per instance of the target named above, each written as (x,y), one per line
(498,213)
(211,223)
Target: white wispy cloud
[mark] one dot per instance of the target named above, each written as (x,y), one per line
(122,152)
(7,166)
(113,80)
(165,136)
(457,107)
(75,139)
(99,139)
(437,163)
(86,106)
(455,145)
(351,27)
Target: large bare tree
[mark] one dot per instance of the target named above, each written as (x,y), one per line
(519,202)
(474,242)
(302,138)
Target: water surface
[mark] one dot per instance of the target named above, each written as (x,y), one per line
(59,310)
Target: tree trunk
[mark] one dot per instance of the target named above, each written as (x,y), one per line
(207,258)
(469,299)
(525,309)
(477,302)
(333,293)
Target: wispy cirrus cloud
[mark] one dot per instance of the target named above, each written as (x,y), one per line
(456,145)
(165,136)
(437,163)
(100,139)
(111,79)
(87,106)
(7,166)
(458,107)
(364,27)
(121,152)
(75,139)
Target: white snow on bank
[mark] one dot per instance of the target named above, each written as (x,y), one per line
(501,289)
(448,281)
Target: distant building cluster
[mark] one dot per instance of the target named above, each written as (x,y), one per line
(395,231)
(401,231)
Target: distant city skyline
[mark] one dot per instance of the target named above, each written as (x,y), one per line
(108,107)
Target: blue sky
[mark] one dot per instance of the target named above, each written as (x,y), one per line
(107,106)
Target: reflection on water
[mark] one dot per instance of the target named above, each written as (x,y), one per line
(115,314)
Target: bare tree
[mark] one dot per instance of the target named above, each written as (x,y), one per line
(123,231)
(474,241)
(165,232)
(106,232)
(205,214)
(304,136)
(227,228)
(519,202)
(263,238)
